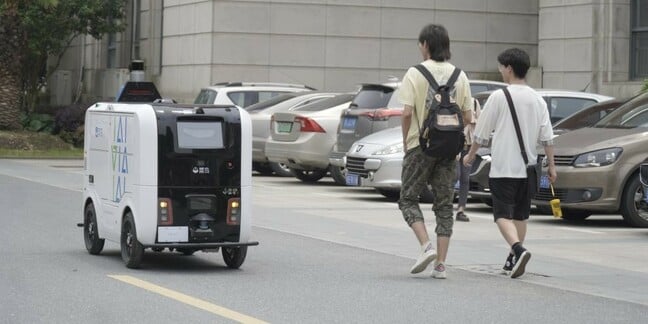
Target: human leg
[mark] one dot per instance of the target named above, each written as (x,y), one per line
(442,183)
(413,180)
(464,182)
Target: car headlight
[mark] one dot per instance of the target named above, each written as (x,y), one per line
(598,158)
(392,149)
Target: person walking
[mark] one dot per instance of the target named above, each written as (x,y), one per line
(419,169)
(463,172)
(513,149)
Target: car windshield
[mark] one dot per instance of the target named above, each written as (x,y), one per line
(206,97)
(394,101)
(326,103)
(273,101)
(588,116)
(632,114)
(372,97)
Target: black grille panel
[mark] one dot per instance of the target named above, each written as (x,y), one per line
(562,159)
(356,165)
(545,194)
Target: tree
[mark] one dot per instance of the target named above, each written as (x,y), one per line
(33,31)
(644,88)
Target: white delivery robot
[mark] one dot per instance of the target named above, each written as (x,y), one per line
(167,176)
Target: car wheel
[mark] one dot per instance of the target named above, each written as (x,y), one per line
(281,169)
(132,250)
(93,243)
(390,194)
(309,175)
(234,256)
(338,174)
(263,168)
(634,203)
(575,215)
(487,201)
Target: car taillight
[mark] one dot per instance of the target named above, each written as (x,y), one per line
(383,114)
(233,211)
(309,125)
(165,212)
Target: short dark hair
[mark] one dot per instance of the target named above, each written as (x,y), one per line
(517,59)
(437,40)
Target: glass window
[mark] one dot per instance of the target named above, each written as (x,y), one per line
(206,97)
(477,88)
(560,108)
(372,97)
(200,135)
(639,41)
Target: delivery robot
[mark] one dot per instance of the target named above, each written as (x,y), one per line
(161,175)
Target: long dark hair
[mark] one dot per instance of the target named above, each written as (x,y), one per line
(437,40)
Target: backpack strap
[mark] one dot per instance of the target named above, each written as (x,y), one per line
(426,73)
(453,78)
(518,132)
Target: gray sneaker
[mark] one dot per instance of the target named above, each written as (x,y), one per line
(439,271)
(427,256)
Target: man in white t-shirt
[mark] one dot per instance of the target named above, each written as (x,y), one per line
(419,169)
(508,183)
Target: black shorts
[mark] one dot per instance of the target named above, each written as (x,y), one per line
(511,198)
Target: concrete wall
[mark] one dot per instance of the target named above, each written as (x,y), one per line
(330,44)
(584,44)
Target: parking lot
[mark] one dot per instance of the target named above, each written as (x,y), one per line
(327,254)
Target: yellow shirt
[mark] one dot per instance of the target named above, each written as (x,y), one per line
(413,92)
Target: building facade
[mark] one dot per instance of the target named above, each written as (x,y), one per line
(594,45)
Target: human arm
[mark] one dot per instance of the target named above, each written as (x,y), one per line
(406,122)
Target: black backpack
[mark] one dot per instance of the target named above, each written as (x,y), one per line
(442,132)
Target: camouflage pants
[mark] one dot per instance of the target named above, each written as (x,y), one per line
(419,170)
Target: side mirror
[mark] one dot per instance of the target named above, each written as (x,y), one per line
(643,174)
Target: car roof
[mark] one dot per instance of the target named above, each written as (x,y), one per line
(238,84)
(557,93)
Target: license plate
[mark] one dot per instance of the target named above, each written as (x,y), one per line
(544,182)
(352,179)
(170,234)
(284,127)
(349,122)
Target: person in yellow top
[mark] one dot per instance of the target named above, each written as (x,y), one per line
(419,169)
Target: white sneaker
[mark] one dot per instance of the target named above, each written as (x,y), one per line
(439,271)
(427,256)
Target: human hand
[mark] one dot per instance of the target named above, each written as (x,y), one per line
(468,159)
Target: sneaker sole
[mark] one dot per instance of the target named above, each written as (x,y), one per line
(519,267)
(420,267)
(439,275)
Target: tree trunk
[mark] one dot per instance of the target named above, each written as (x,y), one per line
(12,42)
(9,100)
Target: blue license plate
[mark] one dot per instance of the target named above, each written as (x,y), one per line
(352,179)
(544,182)
(349,122)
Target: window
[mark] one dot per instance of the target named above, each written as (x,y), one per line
(560,108)
(206,97)
(639,41)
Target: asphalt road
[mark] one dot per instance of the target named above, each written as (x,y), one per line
(327,254)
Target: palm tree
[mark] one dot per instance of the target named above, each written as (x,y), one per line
(12,41)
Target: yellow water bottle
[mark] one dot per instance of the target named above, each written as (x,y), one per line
(555,204)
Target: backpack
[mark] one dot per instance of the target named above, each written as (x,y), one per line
(442,131)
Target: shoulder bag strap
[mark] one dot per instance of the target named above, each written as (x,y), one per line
(426,73)
(517,126)
(453,77)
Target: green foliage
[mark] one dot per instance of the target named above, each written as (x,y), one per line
(38,123)
(45,29)
(644,88)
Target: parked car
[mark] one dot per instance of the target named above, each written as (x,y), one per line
(598,167)
(261,128)
(585,108)
(303,139)
(244,94)
(377,107)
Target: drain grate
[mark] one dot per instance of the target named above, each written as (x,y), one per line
(493,269)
